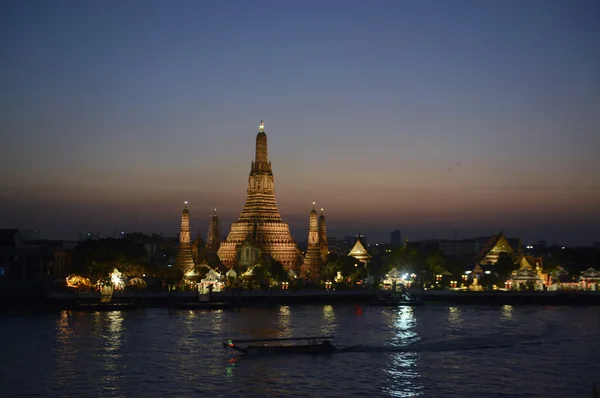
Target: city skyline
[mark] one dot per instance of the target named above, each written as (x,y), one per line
(426,117)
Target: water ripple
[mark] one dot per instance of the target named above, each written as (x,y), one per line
(441,351)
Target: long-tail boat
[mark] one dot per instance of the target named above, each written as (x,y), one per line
(311,345)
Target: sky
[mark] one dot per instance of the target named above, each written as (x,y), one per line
(426,116)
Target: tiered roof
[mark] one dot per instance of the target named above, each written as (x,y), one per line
(359,251)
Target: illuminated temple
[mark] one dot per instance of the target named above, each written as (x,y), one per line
(184,259)
(313,262)
(260,219)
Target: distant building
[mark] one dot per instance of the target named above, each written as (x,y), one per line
(57,256)
(396,238)
(30,234)
(334,245)
(456,248)
(351,239)
(18,260)
(462,247)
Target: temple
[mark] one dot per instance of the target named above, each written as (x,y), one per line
(490,253)
(260,218)
(184,260)
(324,247)
(359,251)
(311,269)
(213,238)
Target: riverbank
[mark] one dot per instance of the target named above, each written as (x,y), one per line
(240,299)
(510,298)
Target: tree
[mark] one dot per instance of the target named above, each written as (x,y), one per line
(277,272)
(96,259)
(346,265)
(329,271)
(376,267)
(137,237)
(134,270)
(397,258)
(504,266)
(435,262)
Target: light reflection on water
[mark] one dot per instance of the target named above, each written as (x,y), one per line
(157,352)
(111,330)
(402,371)
(507,312)
(285,322)
(329,321)
(454,318)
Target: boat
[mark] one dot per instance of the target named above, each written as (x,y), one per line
(399,299)
(312,345)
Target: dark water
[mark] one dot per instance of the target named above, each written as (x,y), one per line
(432,351)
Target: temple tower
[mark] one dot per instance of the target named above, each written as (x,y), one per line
(260,215)
(213,241)
(313,261)
(184,260)
(323,237)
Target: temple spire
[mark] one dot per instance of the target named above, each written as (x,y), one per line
(311,268)
(323,245)
(184,259)
(261,146)
(213,241)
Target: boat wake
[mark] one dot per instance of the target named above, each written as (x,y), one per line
(462,344)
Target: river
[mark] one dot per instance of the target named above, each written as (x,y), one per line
(430,351)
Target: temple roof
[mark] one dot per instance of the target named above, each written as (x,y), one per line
(359,251)
(525,261)
(212,259)
(525,274)
(590,273)
(496,242)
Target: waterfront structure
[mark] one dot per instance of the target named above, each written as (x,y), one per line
(184,260)
(311,269)
(359,251)
(590,279)
(323,243)
(393,279)
(526,279)
(260,217)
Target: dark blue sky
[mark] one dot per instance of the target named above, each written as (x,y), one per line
(114,108)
